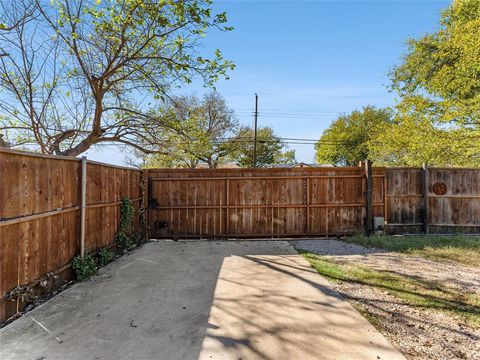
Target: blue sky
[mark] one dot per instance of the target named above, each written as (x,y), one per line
(309,60)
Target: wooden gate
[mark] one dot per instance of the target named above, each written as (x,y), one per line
(231,203)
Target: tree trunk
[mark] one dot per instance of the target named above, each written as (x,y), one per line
(94,136)
(83,146)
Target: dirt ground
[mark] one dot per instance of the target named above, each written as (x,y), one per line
(419,333)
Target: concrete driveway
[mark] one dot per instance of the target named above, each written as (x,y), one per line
(198,300)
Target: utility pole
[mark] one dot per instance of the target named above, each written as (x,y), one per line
(255,133)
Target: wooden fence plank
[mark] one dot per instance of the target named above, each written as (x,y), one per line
(412,202)
(40,207)
(40,216)
(254,202)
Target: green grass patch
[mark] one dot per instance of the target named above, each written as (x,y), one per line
(461,249)
(413,291)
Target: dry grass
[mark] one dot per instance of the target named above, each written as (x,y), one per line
(464,250)
(412,291)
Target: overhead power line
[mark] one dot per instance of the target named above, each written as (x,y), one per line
(293,117)
(297,117)
(251,140)
(313,113)
(296,141)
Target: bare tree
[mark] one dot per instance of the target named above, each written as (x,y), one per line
(15,13)
(83,72)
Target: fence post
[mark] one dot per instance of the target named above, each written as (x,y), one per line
(426,225)
(144,204)
(83,206)
(368,198)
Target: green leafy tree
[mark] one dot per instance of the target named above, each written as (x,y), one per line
(270,149)
(346,141)
(414,140)
(438,116)
(286,157)
(440,74)
(191,131)
(94,68)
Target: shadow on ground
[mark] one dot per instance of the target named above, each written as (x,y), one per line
(191,300)
(277,307)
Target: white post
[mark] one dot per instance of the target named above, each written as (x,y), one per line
(83,206)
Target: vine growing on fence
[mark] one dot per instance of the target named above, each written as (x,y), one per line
(124,235)
(126,216)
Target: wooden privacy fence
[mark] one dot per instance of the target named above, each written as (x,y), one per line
(433,200)
(40,216)
(226,203)
(41,207)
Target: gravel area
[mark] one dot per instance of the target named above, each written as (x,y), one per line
(447,273)
(418,332)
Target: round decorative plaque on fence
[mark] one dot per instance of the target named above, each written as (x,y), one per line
(439,188)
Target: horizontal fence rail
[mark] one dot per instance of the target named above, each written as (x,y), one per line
(433,200)
(224,203)
(41,207)
(40,217)
(310,201)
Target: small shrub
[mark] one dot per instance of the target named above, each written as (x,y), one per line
(138,238)
(104,257)
(84,267)
(123,241)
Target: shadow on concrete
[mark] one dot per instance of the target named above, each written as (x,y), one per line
(153,303)
(270,307)
(196,300)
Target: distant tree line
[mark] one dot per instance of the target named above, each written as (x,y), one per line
(76,74)
(193,131)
